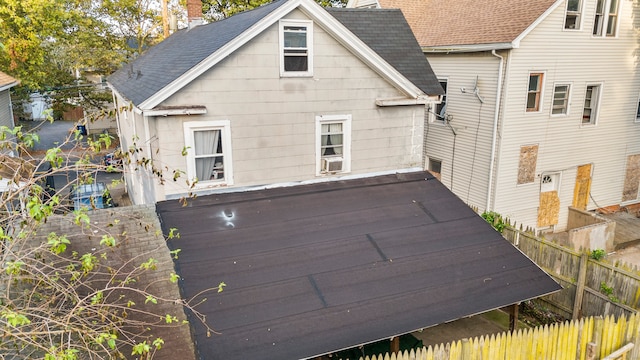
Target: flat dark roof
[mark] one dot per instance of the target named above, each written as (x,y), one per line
(313,269)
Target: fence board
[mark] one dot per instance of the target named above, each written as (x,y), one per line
(563,341)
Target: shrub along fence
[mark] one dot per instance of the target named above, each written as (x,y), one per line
(590,287)
(585,339)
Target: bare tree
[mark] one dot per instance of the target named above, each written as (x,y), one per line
(71,287)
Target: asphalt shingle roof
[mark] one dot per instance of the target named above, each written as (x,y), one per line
(388,34)
(385,32)
(317,268)
(468,22)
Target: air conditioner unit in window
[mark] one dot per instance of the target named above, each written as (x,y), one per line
(332,164)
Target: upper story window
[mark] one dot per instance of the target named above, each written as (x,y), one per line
(534,92)
(591,100)
(208,146)
(560,104)
(573,17)
(605,22)
(441,108)
(333,144)
(296,52)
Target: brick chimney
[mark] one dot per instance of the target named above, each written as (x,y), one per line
(194,13)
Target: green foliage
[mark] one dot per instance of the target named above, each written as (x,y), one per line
(495,220)
(598,254)
(220,9)
(57,244)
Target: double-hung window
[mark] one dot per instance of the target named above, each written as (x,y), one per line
(560,105)
(534,92)
(605,22)
(333,144)
(591,100)
(208,146)
(573,16)
(296,51)
(441,108)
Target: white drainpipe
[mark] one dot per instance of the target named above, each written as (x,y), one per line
(495,130)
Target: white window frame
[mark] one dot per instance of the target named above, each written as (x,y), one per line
(601,28)
(577,14)
(595,104)
(445,97)
(541,91)
(309,32)
(225,127)
(567,100)
(554,185)
(346,142)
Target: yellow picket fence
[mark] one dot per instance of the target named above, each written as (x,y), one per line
(584,339)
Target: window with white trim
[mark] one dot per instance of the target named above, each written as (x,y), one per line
(441,108)
(605,22)
(333,144)
(534,92)
(296,51)
(208,145)
(560,104)
(591,101)
(573,16)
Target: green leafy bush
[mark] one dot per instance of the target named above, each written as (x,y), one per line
(495,220)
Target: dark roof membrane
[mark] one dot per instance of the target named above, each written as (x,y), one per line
(313,269)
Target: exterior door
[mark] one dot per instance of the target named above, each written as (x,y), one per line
(582,187)
(549,209)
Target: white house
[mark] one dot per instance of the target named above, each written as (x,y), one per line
(286,93)
(541,110)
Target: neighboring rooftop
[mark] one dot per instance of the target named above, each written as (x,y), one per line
(7,81)
(313,269)
(468,22)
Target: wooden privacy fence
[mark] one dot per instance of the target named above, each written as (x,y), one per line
(585,339)
(590,287)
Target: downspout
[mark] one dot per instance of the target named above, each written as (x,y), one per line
(494,138)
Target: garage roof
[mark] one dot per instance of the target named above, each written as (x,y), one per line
(313,269)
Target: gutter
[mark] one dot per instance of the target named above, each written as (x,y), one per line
(494,138)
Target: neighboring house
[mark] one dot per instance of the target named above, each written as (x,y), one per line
(6,111)
(541,108)
(286,93)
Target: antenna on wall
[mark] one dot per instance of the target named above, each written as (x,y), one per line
(476,90)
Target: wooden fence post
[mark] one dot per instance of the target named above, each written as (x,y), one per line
(582,277)
(395,345)
(513,317)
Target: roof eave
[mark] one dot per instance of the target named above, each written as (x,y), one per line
(446,49)
(9,85)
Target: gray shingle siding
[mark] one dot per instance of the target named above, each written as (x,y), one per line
(167,61)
